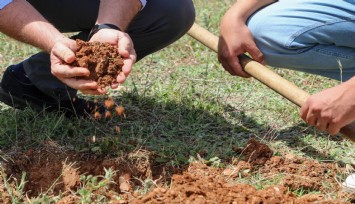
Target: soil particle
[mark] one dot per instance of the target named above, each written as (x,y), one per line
(102,59)
(124,182)
(70,175)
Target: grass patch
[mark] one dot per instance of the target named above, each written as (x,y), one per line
(180,104)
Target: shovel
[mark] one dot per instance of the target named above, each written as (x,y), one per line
(265,75)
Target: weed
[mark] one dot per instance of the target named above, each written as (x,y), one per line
(16,190)
(92,184)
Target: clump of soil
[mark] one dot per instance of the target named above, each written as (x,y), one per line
(102,59)
(111,109)
(104,63)
(257,153)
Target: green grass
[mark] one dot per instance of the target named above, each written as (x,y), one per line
(179,103)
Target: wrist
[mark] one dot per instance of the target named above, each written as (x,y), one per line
(101,26)
(118,12)
(58,39)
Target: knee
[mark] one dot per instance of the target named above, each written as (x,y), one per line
(266,34)
(276,29)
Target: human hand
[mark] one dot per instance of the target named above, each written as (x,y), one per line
(236,39)
(125,48)
(62,54)
(332,108)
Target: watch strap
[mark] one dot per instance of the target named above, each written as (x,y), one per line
(98,27)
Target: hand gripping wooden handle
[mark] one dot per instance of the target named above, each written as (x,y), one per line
(265,75)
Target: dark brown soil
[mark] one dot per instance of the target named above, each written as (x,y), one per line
(102,59)
(53,170)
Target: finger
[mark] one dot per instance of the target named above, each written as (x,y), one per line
(304,112)
(223,58)
(127,66)
(125,46)
(91,92)
(255,53)
(333,129)
(237,68)
(126,69)
(322,124)
(66,71)
(115,85)
(63,52)
(228,68)
(225,65)
(80,84)
(121,78)
(311,119)
(102,90)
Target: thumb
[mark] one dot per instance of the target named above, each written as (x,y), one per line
(125,46)
(255,53)
(64,52)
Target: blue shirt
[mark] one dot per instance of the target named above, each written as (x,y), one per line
(4,3)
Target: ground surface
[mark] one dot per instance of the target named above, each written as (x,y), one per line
(54,170)
(182,137)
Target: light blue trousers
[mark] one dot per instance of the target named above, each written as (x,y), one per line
(312,36)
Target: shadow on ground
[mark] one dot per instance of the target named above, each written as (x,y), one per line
(153,141)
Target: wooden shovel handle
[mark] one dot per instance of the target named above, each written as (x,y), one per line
(265,75)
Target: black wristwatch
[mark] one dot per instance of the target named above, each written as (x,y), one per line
(98,27)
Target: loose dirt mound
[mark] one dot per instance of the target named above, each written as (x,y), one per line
(202,184)
(256,153)
(102,59)
(54,170)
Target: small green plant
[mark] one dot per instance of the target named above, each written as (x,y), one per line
(301,192)
(92,184)
(15,190)
(146,186)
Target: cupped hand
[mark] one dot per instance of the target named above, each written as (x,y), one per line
(125,48)
(62,54)
(236,39)
(332,108)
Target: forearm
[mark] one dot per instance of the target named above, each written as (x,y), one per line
(22,22)
(243,9)
(118,12)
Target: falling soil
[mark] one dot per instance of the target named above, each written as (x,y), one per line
(107,109)
(54,170)
(102,59)
(104,63)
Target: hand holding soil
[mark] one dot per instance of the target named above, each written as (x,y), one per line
(102,59)
(125,48)
(104,63)
(61,57)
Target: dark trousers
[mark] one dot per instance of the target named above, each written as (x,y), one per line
(159,24)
